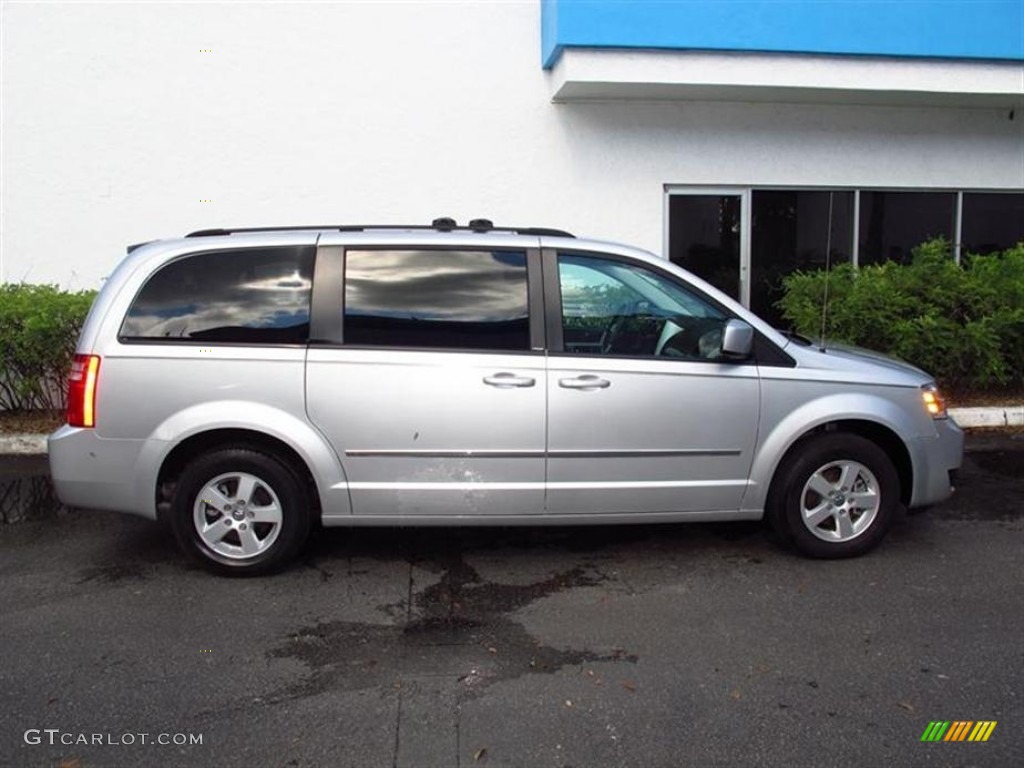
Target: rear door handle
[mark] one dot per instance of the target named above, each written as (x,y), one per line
(586,381)
(506,380)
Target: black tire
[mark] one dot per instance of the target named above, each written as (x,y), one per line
(268,517)
(847,522)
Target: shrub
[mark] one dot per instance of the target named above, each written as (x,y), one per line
(963,324)
(39,326)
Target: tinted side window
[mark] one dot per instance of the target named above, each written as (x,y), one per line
(613,308)
(252,296)
(440,299)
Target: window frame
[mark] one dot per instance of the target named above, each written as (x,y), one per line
(961,244)
(298,250)
(765,353)
(955,221)
(671,189)
(327,323)
(553,308)
(744,194)
(759,266)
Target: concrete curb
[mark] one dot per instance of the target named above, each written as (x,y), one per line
(22,444)
(997,416)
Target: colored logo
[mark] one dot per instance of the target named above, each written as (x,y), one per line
(958,730)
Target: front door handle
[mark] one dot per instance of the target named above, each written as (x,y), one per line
(586,381)
(506,380)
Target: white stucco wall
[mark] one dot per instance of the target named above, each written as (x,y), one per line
(116,126)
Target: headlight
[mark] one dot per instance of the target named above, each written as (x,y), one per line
(934,402)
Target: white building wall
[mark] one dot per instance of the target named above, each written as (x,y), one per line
(116,128)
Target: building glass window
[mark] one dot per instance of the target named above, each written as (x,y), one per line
(704,237)
(714,235)
(991,221)
(437,299)
(893,223)
(250,296)
(791,231)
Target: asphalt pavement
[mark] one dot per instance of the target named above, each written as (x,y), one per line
(674,645)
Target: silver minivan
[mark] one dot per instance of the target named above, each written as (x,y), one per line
(246,384)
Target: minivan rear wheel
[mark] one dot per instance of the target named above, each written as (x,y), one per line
(835,495)
(239,511)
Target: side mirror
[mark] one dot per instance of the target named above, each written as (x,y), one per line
(737,340)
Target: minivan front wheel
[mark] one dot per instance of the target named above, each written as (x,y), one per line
(240,511)
(835,495)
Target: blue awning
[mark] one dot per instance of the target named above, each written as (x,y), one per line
(941,29)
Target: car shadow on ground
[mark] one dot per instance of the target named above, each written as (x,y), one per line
(132,548)
(126,547)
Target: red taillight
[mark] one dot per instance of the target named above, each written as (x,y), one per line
(85,371)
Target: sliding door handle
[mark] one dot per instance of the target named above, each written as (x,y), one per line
(586,381)
(508,380)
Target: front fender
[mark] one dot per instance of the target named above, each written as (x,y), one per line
(775,443)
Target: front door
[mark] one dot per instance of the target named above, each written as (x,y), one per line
(643,413)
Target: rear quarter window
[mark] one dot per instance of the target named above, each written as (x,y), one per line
(247,296)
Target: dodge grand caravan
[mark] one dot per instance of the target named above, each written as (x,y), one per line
(245,384)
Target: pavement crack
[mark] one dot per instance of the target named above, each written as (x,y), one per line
(458,734)
(398,726)
(408,597)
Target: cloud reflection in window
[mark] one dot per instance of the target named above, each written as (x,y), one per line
(460,299)
(250,296)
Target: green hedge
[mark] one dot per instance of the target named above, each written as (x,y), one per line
(39,327)
(963,324)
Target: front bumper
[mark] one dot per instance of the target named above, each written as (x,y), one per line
(936,460)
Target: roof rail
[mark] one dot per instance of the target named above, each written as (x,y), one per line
(438,225)
(136,246)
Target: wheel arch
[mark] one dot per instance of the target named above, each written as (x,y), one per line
(884,422)
(879,434)
(209,440)
(201,427)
